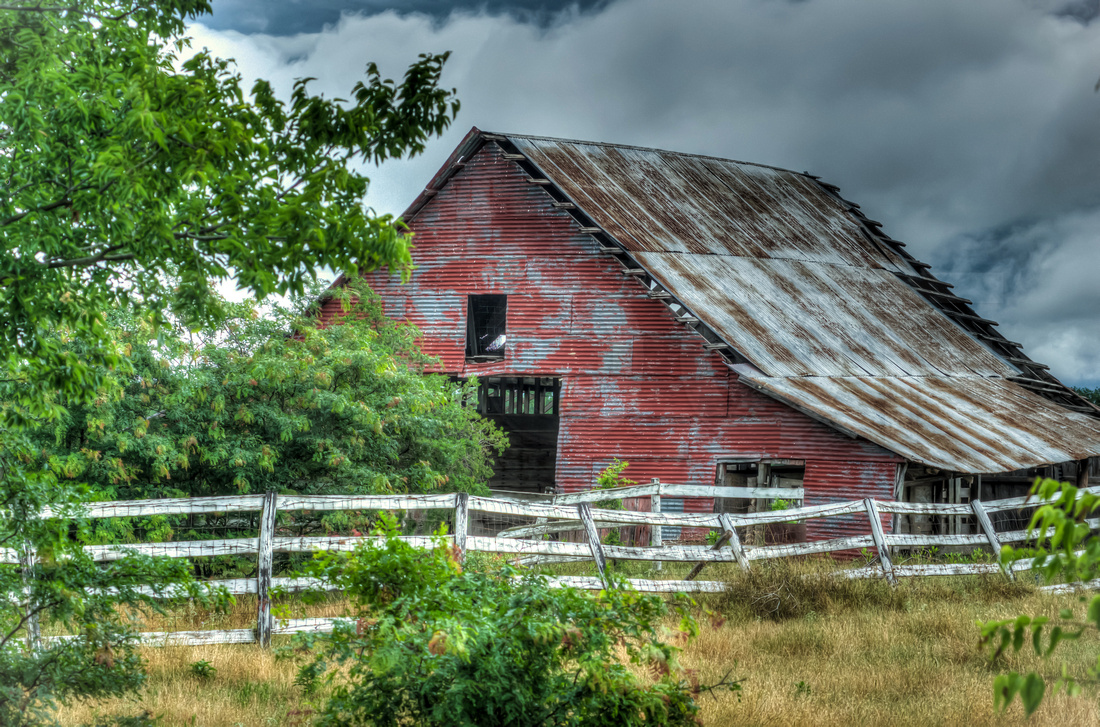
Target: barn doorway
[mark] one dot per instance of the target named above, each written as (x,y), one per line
(760,486)
(526,408)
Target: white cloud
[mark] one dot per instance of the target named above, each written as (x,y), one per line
(943,119)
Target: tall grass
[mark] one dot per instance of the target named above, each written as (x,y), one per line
(812,649)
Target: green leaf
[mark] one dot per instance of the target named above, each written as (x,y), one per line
(1031,693)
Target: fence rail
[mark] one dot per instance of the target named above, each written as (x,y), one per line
(552,514)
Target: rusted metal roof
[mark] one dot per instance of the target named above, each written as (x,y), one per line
(822,304)
(961,423)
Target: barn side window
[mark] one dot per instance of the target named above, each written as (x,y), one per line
(486,319)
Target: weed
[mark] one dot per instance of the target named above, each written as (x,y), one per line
(203,669)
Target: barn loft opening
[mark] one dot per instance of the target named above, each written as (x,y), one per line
(526,407)
(486,327)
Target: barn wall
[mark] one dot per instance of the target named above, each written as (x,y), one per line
(637,385)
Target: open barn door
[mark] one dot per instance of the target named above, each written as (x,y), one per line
(526,407)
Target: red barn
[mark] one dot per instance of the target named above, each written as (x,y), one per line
(713,321)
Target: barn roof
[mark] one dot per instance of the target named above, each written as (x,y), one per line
(811,302)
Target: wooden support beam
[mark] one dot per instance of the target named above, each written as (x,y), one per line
(1026,362)
(945,296)
(880,541)
(922,279)
(265,621)
(584,510)
(1082,473)
(637,272)
(726,537)
(591,230)
(462,520)
(719,346)
(611,250)
(688,320)
(990,534)
(1038,385)
(540,182)
(514,157)
(997,338)
(970,317)
(660,294)
(564,205)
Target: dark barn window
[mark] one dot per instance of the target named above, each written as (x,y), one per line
(526,407)
(486,319)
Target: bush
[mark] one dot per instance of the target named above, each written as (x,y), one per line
(431,644)
(784,589)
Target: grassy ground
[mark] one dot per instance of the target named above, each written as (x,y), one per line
(810,651)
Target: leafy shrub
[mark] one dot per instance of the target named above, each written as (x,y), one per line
(432,644)
(1065,549)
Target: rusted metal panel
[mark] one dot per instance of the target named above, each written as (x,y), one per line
(598,316)
(674,355)
(828,481)
(657,201)
(610,355)
(793,318)
(962,424)
(664,396)
(536,314)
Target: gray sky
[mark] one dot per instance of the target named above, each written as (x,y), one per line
(969,128)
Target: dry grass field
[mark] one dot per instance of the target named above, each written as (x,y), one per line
(810,651)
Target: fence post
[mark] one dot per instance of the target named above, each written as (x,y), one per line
(27,560)
(462,509)
(725,538)
(880,541)
(585,512)
(265,623)
(655,529)
(991,535)
(735,542)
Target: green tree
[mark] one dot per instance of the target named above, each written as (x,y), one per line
(123,162)
(120,162)
(246,407)
(1092,395)
(1063,550)
(428,643)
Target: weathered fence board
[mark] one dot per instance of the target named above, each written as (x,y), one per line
(366,502)
(164,506)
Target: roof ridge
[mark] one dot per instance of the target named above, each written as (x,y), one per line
(645,148)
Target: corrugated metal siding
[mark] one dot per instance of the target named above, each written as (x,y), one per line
(636,384)
(842,481)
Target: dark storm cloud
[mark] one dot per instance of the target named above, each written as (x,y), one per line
(969,128)
(289,17)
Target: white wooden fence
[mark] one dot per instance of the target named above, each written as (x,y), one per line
(561,513)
